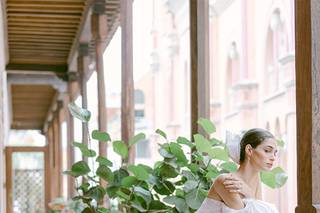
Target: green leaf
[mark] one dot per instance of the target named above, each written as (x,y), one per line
(178,202)
(194,198)
(280,176)
(183,140)
(124,193)
(88,153)
(68,172)
(145,194)
(164,187)
(276,178)
(84,187)
(178,152)
(215,141)
(120,148)
(207,125)
(229,166)
(100,136)
(280,143)
(189,185)
(129,181)
(96,193)
(112,191)
(103,161)
(218,153)
(77,112)
(80,168)
(167,171)
(160,132)
(139,172)
(139,203)
(102,210)
(157,205)
(118,176)
(164,153)
(212,175)
(84,149)
(105,173)
(137,138)
(79,145)
(202,144)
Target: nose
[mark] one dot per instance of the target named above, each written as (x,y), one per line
(273,158)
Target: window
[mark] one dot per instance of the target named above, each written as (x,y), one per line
(143,149)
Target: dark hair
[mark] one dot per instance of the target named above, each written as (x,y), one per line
(254,137)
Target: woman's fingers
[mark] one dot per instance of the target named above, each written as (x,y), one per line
(235,191)
(226,183)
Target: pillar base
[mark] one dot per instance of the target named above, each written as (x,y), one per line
(304,209)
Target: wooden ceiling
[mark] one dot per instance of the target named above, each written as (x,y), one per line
(30,104)
(41,32)
(41,36)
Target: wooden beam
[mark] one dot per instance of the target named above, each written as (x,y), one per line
(127,85)
(37,67)
(199,53)
(40,79)
(307,32)
(76,40)
(83,66)
(99,33)
(70,139)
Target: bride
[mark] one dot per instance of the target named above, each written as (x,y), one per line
(241,191)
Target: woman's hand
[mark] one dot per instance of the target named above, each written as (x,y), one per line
(235,185)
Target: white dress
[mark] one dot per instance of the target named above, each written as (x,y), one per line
(251,206)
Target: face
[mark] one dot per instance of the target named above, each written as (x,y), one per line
(264,155)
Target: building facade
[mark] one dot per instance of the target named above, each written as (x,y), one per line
(252,77)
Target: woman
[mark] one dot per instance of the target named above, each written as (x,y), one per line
(241,191)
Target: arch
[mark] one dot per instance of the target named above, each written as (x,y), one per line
(276,46)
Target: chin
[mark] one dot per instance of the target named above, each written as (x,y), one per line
(266,169)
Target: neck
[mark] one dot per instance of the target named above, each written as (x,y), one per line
(249,173)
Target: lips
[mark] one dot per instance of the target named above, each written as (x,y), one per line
(270,164)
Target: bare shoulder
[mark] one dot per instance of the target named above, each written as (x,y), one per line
(231,199)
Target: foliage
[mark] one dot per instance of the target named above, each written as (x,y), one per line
(177,183)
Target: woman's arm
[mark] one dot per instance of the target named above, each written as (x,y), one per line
(231,199)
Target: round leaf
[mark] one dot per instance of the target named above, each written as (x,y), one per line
(194,198)
(96,193)
(178,152)
(77,112)
(207,125)
(139,172)
(229,166)
(103,161)
(129,181)
(160,132)
(183,140)
(137,138)
(100,136)
(80,168)
(120,148)
(275,178)
(105,173)
(218,153)
(202,144)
